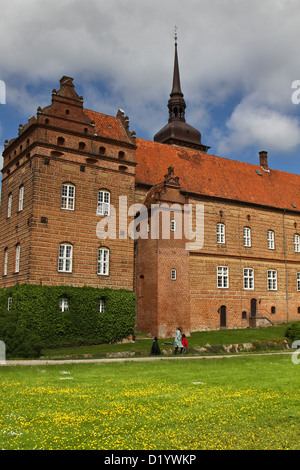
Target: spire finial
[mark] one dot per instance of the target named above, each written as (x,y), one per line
(176,27)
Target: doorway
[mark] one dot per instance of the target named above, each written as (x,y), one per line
(223,316)
(253,308)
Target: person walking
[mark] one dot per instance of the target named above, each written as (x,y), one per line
(177,341)
(184,343)
(155,350)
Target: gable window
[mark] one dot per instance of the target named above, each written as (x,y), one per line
(173,274)
(5,261)
(248,278)
(103,262)
(18,252)
(21,197)
(63,304)
(65,254)
(220,233)
(68,196)
(247,236)
(103,206)
(222,277)
(297,243)
(272,280)
(271,240)
(101,306)
(9,204)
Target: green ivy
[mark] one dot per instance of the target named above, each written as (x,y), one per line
(37,310)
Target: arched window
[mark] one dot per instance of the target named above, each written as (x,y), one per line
(9,205)
(65,255)
(103,203)
(103,262)
(60,141)
(5,261)
(68,196)
(18,253)
(21,197)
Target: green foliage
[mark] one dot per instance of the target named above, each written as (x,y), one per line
(293,332)
(19,341)
(36,309)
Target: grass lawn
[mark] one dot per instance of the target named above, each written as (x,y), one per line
(228,403)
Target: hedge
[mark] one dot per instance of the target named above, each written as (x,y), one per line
(37,310)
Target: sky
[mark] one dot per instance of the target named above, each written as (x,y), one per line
(238,59)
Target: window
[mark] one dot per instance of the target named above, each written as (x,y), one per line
(9,204)
(18,250)
(103,261)
(220,233)
(5,261)
(222,275)
(173,274)
(244,315)
(271,240)
(272,280)
(101,305)
(21,197)
(173,225)
(65,258)
(273,310)
(9,303)
(248,278)
(247,236)
(63,304)
(60,141)
(68,196)
(298,281)
(103,207)
(297,243)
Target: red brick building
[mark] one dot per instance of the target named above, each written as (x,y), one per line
(70,170)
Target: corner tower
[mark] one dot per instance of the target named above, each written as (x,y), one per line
(177,131)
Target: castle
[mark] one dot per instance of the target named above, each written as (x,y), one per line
(214,243)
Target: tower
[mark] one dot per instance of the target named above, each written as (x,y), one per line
(178,131)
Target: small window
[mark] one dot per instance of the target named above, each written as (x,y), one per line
(81,145)
(271,240)
(272,280)
(9,303)
(9,205)
(297,243)
(60,141)
(68,196)
(18,252)
(244,315)
(102,150)
(298,281)
(220,233)
(121,155)
(222,277)
(101,305)
(63,304)
(173,274)
(103,206)
(103,262)
(273,310)
(5,261)
(21,197)
(173,225)
(65,254)
(299,310)
(247,236)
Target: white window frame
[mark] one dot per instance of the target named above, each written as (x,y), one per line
(103,262)
(9,303)
(65,258)
(272,279)
(18,254)
(173,274)
(68,196)
(298,281)
(63,304)
(247,236)
(271,240)
(248,278)
(222,277)
(103,202)
(220,233)
(297,243)
(9,205)
(5,261)
(21,198)
(101,306)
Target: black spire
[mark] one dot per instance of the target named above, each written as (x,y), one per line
(177,131)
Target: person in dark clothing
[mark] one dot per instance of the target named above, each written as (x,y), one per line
(155,350)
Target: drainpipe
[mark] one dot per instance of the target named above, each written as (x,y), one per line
(286,276)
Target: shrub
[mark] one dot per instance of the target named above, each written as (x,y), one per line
(37,310)
(19,341)
(293,332)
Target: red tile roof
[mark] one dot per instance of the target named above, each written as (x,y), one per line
(107,126)
(215,176)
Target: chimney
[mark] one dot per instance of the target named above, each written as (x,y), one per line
(263,159)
